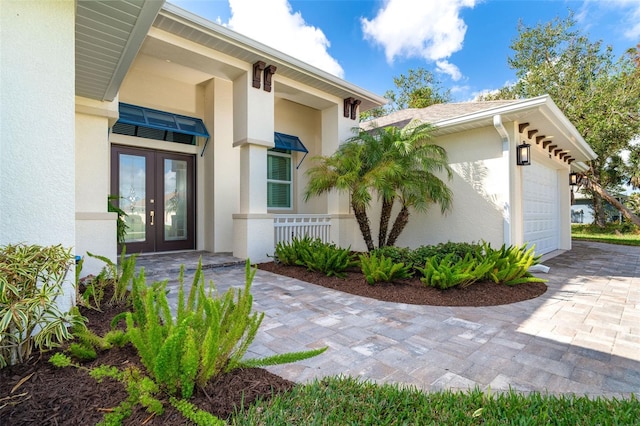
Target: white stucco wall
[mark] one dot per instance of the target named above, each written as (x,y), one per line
(480,189)
(304,122)
(37,134)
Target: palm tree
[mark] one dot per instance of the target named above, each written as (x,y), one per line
(344,171)
(396,165)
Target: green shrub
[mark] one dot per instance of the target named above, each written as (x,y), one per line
(209,335)
(326,258)
(458,251)
(450,272)
(288,253)
(378,268)
(511,264)
(396,254)
(194,414)
(31,280)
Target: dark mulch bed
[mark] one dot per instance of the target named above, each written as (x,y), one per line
(38,393)
(68,396)
(412,291)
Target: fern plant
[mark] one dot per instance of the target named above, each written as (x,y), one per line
(326,258)
(209,335)
(450,272)
(119,275)
(379,268)
(288,253)
(511,264)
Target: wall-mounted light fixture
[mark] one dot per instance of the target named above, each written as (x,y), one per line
(573,179)
(523,154)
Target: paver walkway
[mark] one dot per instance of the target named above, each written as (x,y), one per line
(582,336)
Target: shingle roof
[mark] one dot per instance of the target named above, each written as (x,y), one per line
(434,113)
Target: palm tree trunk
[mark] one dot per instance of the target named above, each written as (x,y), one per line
(385,217)
(363,223)
(398,225)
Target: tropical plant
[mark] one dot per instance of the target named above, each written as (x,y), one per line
(378,268)
(118,275)
(326,258)
(208,335)
(511,264)
(31,281)
(121,223)
(288,252)
(449,271)
(396,254)
(458,250)
(396,165)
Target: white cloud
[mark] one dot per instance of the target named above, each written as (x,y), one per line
(273,22)
(628,9)
(429,29)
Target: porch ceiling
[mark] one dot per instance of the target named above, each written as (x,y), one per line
(108,36)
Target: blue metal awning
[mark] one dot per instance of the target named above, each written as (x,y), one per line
(162,120)
(290,143)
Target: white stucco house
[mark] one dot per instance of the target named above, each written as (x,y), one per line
(200,131)
(494,198)
(205,135)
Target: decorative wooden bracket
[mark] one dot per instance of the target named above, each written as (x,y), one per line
(545,144)
(530,133)
(351,107)
(539,138)
(522,126)
(257,70)
(268,73)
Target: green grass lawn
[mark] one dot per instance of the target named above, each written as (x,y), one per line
(625,235)
(347,401)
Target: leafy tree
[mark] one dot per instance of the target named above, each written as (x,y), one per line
(598,93)
(396,165)
(418,89)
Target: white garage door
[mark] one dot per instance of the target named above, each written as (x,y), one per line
(541,207)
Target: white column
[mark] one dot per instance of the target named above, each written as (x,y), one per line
(95,226)
(253,124)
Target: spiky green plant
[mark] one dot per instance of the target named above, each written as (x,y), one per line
(288,253)
(209,335)
(119,275)
(378,268)
(511,264)
(326,258)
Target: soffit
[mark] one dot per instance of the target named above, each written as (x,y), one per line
(108,35)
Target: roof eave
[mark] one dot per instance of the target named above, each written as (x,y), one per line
(370,99)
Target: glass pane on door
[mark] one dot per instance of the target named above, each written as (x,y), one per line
(132,192)
(175,199)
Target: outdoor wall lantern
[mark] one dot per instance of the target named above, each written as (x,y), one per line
(573,179)
(523,154)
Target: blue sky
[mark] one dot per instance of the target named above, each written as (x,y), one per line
(465,43)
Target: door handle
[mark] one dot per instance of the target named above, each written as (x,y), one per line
(152,214)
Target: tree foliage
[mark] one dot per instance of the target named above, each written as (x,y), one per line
(597,92)
(418,89)
(396,165)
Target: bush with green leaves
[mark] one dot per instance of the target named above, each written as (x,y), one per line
(31,281)
(379,268)
(458,251)
(396,254)
(450,271)
(209,334)
(288,253)
(118,275)
(326,258)
(511,264)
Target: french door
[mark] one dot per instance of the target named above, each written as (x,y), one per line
(156,190)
